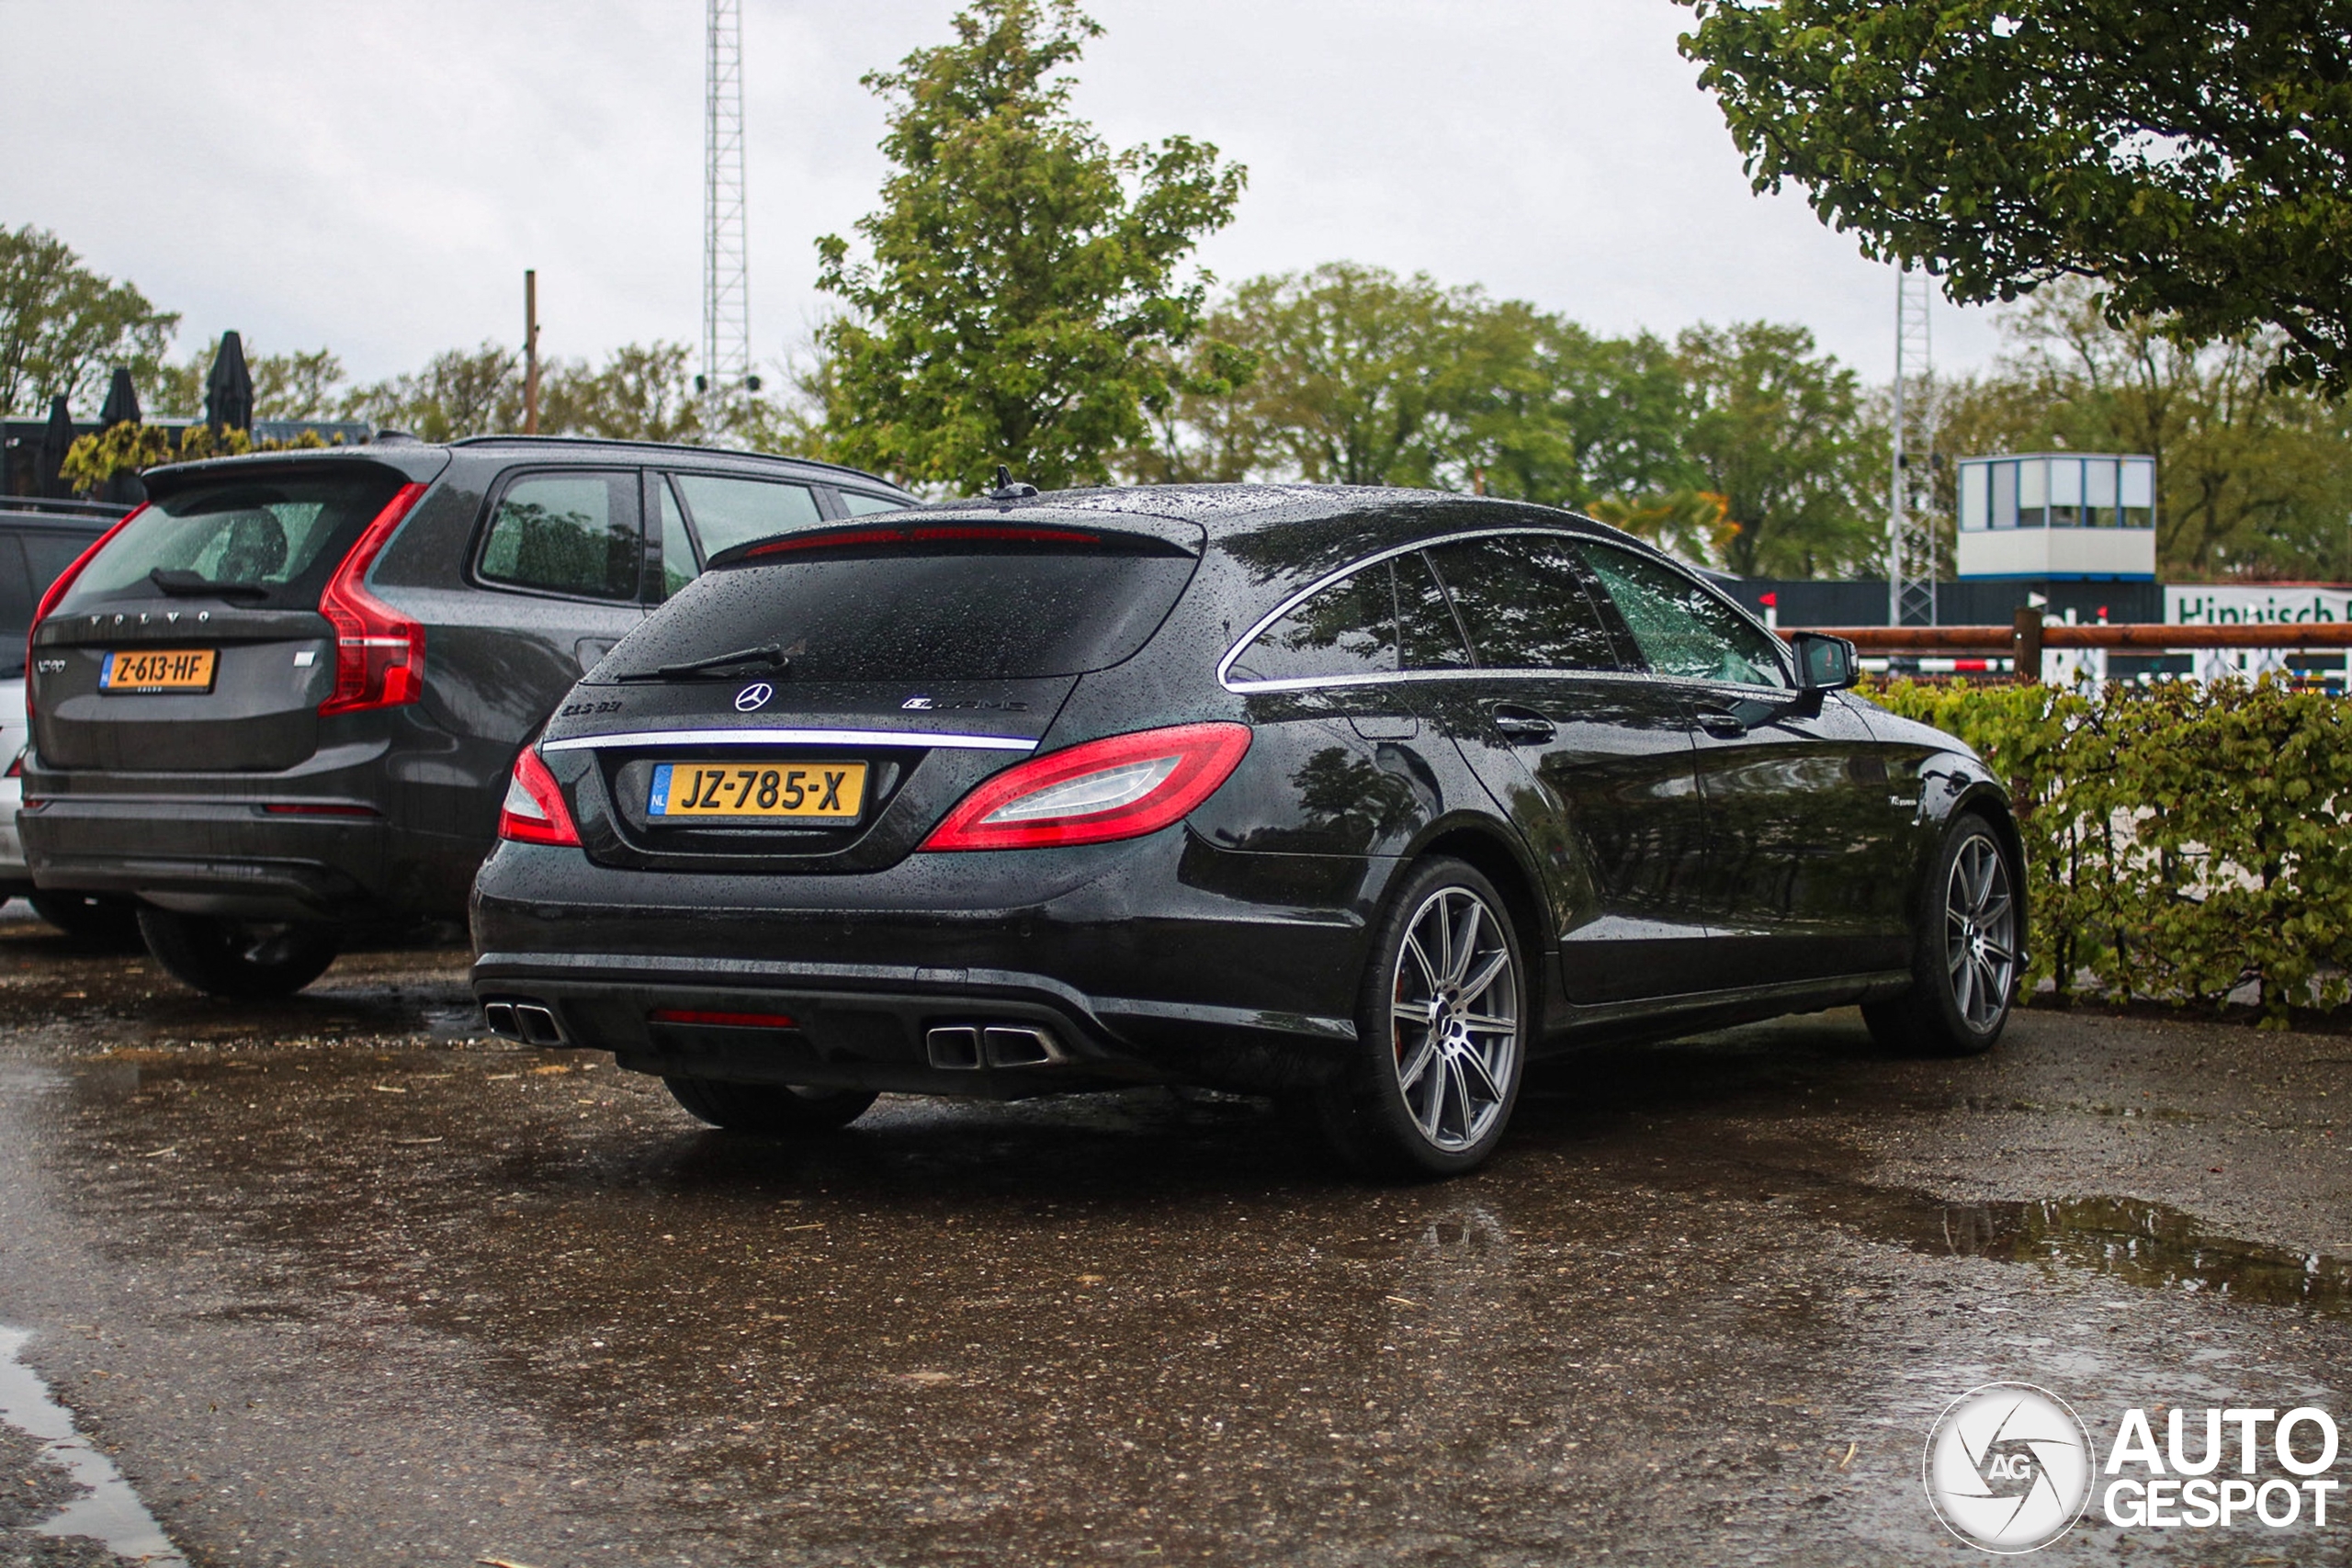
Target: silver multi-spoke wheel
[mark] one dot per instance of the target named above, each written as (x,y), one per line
(1980,933)
(1453,1019)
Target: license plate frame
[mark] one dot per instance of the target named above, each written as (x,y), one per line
(193,673)
(683,792)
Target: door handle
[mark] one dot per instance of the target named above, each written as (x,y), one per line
(1522,727)
(1722,726)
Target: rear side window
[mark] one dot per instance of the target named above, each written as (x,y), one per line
(860,505)
(920,613)
(730,511)
(1348,629)
(1683,629)
(1429,637)
(573,533)
(1523,604)
(271,540)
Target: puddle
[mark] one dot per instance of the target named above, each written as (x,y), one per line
(2136,1243)
(110,1512)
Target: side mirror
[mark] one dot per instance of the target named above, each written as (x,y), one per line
(1824,664)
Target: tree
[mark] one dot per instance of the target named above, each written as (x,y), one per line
(643,392)
(2254,480)
(305,384)
(1023,303)
(1777,432)
(64,327)
(2197,157)
(460,392)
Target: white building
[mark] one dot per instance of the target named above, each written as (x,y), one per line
(2044,516)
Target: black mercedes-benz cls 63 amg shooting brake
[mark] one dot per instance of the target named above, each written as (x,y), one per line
(1360,796)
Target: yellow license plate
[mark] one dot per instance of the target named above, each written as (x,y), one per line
(819,792)
(158,670)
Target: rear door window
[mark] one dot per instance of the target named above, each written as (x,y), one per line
(727,511)
(1348,629)
(1683,629)
(921,612)
(570,533)
(1523,602)
(268,540)
(1428,635)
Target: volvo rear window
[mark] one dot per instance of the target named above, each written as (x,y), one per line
(253,539)
(924,612)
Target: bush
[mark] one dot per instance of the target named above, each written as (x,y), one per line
(2182,841)
(129,448)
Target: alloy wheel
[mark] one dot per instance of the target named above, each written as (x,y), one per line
(1454,1021)
(1980,933)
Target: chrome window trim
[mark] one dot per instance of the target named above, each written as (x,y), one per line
(754,736)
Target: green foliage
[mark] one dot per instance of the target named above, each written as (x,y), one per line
(2181,840)
(129,448)
(1738,444)
(2257,480)
(1777,432)
(305,384)
(63,327)
(460,392)
(2195,154)
(1022,304)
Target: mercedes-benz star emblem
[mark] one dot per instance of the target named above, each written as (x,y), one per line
(753,697)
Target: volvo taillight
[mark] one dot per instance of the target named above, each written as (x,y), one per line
(1119,787)
(48,601)
(379,652)
(534,811)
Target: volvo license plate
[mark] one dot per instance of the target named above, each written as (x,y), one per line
(157,670)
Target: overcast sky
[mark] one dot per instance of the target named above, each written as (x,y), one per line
(374,175)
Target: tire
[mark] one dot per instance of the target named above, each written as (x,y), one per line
(1964,965)
(1442,1030)
(243,959)
(93,918)
(768,1109)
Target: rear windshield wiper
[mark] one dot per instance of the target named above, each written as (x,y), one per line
(190,585)
(768,653)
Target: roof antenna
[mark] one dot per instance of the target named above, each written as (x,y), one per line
(1008,490)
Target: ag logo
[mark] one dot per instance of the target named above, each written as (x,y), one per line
(2008,1468)
(753,697)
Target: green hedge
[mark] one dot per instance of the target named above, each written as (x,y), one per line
(2183,840)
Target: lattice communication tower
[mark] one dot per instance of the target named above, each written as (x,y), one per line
(726,289)
(1911,504)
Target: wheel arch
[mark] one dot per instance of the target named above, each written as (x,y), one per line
(1504,862)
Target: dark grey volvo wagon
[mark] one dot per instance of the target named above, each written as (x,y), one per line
(285,695)
(1360,797)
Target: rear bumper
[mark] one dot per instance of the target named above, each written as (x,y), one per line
(1154,961)
(209,859)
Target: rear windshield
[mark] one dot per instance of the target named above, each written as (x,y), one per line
(927,615)
(267,541)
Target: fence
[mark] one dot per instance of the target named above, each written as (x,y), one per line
(2028,638)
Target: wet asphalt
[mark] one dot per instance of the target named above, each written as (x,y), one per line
(337,1280)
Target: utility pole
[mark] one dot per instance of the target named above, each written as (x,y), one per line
(726,291)
(1910,502)
(530,351)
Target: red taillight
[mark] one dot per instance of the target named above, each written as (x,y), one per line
(16,768)
(533,812)
(379,652)
(57,592)
(721,1020)
(1120,787)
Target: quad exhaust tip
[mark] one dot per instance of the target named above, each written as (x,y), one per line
(528,1021)
(969,1047)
